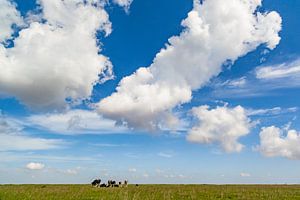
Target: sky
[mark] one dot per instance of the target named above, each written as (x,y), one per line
(150,91)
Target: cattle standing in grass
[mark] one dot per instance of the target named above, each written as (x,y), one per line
(111,183)
(96,182)
(125,183)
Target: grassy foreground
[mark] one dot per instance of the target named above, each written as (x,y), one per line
(145,192)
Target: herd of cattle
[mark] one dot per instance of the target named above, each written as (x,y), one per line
(110,183)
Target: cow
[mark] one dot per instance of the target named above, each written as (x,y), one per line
(120,184)
(103,185)
(96,182)
(125,183)
(111,183)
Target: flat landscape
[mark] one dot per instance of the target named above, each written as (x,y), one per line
(145,192)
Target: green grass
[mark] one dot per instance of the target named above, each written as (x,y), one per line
(145,192)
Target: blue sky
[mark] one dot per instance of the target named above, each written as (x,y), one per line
(149,91)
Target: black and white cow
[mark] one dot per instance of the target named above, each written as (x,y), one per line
(96,182)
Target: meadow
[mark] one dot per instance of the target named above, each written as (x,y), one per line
(149,192)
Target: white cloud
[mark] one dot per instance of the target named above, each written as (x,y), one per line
(8,17)
(221,125)
(181,176)
(260,82)
(25,156)
(235,82)
(271,111)
(214,32)
(274,142)
(13,138)
(132,170)
(21,142)
(35,166)
(285,70)
(243,174)
(72,171)
(109,145)
(58,59)
(165,155)
(75,122)
(124,3)
(146,175)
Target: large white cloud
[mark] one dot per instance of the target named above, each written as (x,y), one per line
(8,17)
(214,32)
(279,142)
(13,138)
(222,125)
(56,58)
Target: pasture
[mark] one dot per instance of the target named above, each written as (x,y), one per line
(149,192)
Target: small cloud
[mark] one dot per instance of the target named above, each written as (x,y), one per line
(124,3)
(243,174)
(159,171)
(165,155)
(72,171)
(132,155)
(108,145)
(132,170)
(236,82)
(146,175)
(181,176)
(35,166)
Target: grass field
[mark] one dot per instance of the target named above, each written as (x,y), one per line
(155,192)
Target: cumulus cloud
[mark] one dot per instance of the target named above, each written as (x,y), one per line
(221,125)
(9,16)
(56,60)
(35,166)
(215,32)
(75,122)
(13,138)
(279,142)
